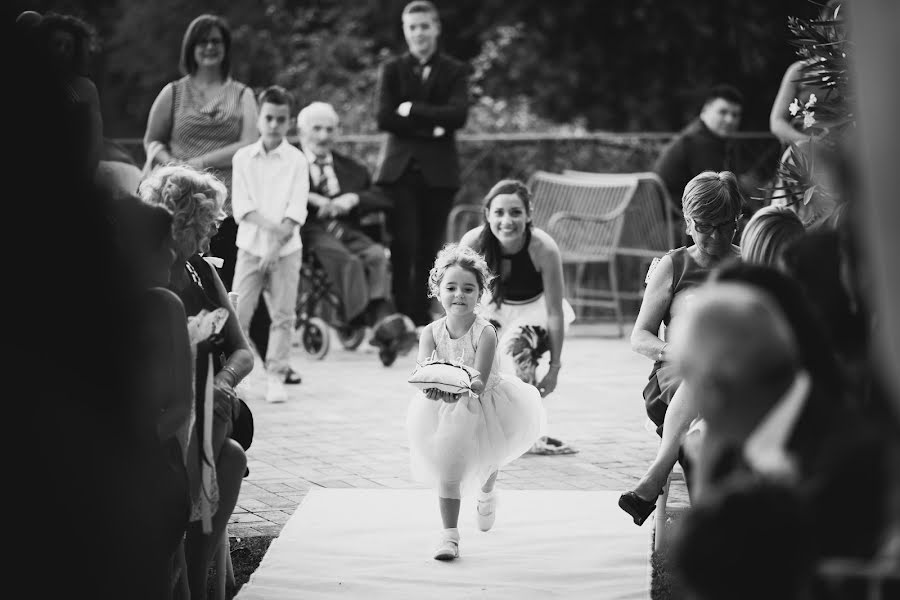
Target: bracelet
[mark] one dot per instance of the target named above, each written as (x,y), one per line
(230,370)
(659,355)
(556,365)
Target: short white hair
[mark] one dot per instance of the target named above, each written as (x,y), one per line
(316,109)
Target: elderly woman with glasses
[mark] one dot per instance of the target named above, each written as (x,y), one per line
(216,463)
(712,205)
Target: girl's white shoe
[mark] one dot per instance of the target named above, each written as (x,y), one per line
(447,550)
(487,509)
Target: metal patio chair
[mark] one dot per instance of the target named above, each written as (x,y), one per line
(596,220)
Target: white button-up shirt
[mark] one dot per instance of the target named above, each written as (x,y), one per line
(275,184)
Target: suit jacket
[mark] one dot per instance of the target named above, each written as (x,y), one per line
(353,177)
(441,100)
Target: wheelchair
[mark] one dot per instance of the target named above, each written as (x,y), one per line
(319,308)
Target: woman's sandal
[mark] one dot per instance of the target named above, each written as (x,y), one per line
(637,507)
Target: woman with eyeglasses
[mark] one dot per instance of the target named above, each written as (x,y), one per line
(203,118)
(712,205)
(215,462)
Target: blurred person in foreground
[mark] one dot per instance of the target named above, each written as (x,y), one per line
(767,414)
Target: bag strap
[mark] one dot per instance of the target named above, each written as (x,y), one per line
(174,84)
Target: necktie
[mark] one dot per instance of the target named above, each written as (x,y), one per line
(327,184)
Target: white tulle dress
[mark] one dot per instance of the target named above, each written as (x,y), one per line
(456,446)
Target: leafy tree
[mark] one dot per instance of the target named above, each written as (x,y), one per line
(620,65)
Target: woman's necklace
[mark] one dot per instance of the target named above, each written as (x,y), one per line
(205,91)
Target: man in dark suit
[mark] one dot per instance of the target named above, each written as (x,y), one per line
(422,99)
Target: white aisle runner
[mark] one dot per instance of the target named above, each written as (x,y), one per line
(376,543)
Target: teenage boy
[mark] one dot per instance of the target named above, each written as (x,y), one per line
(422,99)
(270,186)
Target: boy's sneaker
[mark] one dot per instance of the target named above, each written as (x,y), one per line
(487,510)
(275,391)
(447,550)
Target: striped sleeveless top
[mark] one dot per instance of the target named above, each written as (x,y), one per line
(198,127)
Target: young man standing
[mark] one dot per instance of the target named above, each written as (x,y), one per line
(270,185)
(703,145)
(422,99)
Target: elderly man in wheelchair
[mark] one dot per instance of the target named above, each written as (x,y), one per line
(345,278)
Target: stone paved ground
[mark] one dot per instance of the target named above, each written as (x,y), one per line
(344,427)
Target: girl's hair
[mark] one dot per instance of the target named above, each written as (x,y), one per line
(460,256)
(768,233)
(194,198)
(487,243)
(712,196)
(198,30)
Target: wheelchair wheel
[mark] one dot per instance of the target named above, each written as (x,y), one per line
(315,337)
(351,337)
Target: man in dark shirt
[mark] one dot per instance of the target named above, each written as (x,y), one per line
(422,99)
(704,144)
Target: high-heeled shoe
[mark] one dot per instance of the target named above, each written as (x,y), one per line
(637,507)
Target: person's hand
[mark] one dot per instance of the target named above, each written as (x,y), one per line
(329,211)
(344,203)
(196,162)
(271,257)
(477,385)
(318,200)
(224,400)
(548,383)
(285,230)
(404,108)
(436,394)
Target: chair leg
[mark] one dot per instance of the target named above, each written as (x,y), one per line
(659,517)
(577,288)
(617,302)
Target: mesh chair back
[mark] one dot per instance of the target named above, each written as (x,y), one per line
(461,219)
(649,222)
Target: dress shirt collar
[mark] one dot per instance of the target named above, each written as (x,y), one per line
(311,157)
(429,62)
(260,150)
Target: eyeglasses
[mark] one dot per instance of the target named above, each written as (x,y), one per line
(701,227)
(215,42)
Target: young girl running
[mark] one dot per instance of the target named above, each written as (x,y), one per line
(458,442)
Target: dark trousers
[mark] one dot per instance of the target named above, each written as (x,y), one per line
(224,246)
(417,225)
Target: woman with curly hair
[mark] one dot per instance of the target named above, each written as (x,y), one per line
(216,463)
